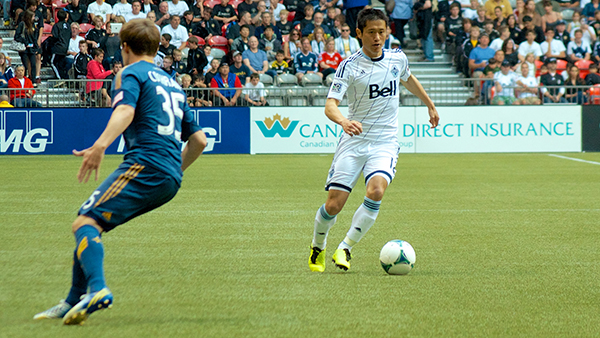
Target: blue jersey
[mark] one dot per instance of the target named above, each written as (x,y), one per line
(307,62)
(162,117)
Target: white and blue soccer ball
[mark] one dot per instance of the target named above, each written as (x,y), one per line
(397,257)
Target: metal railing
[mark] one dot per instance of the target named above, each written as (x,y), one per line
(84,93)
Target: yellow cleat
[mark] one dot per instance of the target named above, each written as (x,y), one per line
(316,261)
(341,258)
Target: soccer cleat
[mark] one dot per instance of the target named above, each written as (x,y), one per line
(55,312)
(341,258)
(90,303)
(316,261)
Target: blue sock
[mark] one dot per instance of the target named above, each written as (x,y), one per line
(90,253)
(78,284)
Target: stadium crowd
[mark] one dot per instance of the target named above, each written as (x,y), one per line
(234,46)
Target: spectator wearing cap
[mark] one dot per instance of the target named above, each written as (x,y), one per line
(239,68)
(561,34)
(179,34)
(556,91)
(530,46)
(527,91)
(256,59)
(578,49)
(224,86)
(196,57)
(552,48)
(504,81)
(529,26)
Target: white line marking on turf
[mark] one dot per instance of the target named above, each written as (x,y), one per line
(574,159)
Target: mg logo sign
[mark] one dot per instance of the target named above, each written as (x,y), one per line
(210,121)
(32,130)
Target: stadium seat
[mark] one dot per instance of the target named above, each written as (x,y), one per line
(47,28)
(235,3)
(291,16)
(219,42)
(201,41)
(567,14)
(275,96)
(329,80)
(319,96)
(297,96)
(594,94)
(224,29)
(584,67)
(311,80)
(217,53)
(538,65)
(561,65)
(287,80)
(267,80)
(85,27)
(211,3)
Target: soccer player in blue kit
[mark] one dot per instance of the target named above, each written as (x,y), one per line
(151,112)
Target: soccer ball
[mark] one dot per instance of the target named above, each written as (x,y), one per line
(397,257)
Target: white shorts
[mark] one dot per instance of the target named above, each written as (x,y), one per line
(354,156)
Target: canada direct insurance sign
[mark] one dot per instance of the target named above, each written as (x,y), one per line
(461,129)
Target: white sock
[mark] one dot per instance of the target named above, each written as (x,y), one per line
(363,219)
(323,222)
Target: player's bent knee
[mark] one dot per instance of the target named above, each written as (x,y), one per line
(376,188)
(82,220)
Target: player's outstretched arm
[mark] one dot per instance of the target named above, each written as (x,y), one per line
(92,157)
(414,86)
(334,114)
(193,149)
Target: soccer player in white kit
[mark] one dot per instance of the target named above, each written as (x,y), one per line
(370,144)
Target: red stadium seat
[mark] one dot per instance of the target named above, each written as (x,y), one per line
(584,67)
(219,42)
(492,92)
(291,16)
(594,93)
(85,27)
(211,3)
(235,3)
(538,65)
(224,29)
(47,28)
(561,65)
(201,41)
(285,38)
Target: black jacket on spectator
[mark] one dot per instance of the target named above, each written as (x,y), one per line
(62,32)
(111,45)
(423,17)
(233,30)
(153,8)
(224,12)
(189,26)
(515,34)
(96,35)
(179,67)
(244,7)
(80,65)
(592,79)
(196,60)
(166,50)
(212,26)
(565,37)
(77,14)
(260,29)
(14,4)
(27,38)
(444,10)
(552,80)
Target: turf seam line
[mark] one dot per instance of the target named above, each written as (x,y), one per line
(574,159)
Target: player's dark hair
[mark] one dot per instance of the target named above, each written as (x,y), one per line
(370,14)
(61,15)
(141,36)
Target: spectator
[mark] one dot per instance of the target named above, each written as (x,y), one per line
(570,4)
(309,11)
(227,97)
(527,90)
(4,102)
(575,94)
(112,44)
(285,27)
(96,36)
(316,23)
(345,44)
(401,14)
(177,7)
(550,18)
(280,65)
(81,61)
(241,43)
(269,43)
(353,7)
(233,31)
(479,56)
(490,6)
(78,12)
(185,81)
(6,72)
(207,52)
(575,22)
(329,21)
(61,33)
(500,19)
(255,91)
(590,9)
(100,8)
(452,27)
(513,27)
(148,7)
(593,78)
(239,68)
(256,59)
(552,79)
(470,11)
(162,16)
(561,34)
(95,71)
(552,48)
(152,17)
(178,33)
(588,34)
(529,26)
(168,66)
(424,17)
(467,47)
(197,59)
(275,8)
(530,61)
(504,35)
(22,98)
(212,26)
(180,66)
(249,6)
(202,97)
(578,49)
(224,12)
(28,34)
(74,44)
(212,71)
(136,11)
(266,22)
(510,52)
(596,23)
(488,28)
(292,47)
(166,48)
(529,46)
(480,20)
(330,59)
(107,86)
(306,62)
(121,9)
(504,81)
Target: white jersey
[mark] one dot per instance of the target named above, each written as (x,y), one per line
(372,87)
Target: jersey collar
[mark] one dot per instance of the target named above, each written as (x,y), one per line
(375,59)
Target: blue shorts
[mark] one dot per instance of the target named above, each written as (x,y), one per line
(131,190)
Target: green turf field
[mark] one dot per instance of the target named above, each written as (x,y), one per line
(507,246)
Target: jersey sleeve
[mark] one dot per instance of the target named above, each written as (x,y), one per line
(189,126)
(405,69)
(340,82)
(128,92)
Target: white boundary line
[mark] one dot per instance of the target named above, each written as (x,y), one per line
(574,159)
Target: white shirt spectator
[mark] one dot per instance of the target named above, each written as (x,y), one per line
(530,82)
(255,93)
(579,51)
(121,9)
(102,10)
(556,47)
(178,9)
(589,35)
(178,36)
(74,46)
(525,48)
(276,11)
(496,44)
(132,16)
(507,82)
(346,47)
